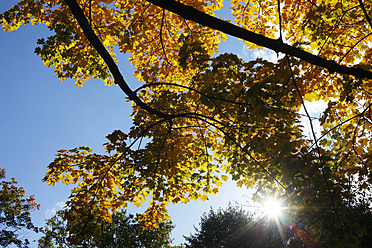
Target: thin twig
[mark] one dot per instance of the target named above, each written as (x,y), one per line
(161,37)
(313,134)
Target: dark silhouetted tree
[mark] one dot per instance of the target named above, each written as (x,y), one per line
(15,213)
(123,232)
(235,228)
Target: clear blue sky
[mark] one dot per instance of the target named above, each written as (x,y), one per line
(40,114)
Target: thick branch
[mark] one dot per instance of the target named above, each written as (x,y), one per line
(197,16)
(365,12)
(97,44)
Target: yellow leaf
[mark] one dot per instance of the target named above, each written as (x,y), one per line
(204,197)
(224,178)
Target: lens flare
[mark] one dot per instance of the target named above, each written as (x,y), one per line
(272,208)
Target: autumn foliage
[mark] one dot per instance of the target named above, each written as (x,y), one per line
(200,117)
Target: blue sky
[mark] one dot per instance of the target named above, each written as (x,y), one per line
(40,114)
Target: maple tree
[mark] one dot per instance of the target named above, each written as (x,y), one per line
(199,116)
(15,213)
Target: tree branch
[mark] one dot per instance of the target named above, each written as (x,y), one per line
(197,16)
(100,48)
(365,12)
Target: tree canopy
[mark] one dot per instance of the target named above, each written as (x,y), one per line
(200,116)
(234,228)
(122,232)
(15,213)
